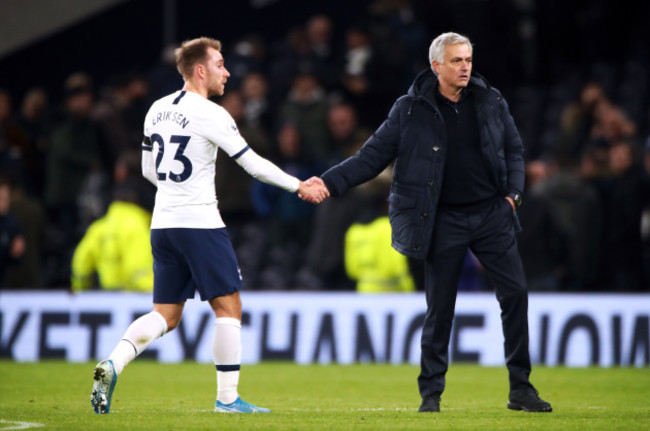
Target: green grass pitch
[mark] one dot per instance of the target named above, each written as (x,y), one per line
(154,396)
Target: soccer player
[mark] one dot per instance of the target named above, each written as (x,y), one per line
(190,245)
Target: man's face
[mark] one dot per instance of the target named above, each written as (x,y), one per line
(620,159)
(5,107)
(216,73)
(5,199)
(341,122)
(457,67)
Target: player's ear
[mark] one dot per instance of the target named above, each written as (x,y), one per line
(200,70)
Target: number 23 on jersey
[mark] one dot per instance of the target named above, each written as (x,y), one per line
(181,141)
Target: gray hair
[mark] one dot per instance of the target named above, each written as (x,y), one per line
(437,48)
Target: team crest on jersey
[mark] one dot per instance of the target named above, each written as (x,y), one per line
(233,127)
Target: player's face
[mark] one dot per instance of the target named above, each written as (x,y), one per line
(457,67)
(216,75)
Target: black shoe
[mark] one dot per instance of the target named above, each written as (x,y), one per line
(528,400)
(430,404)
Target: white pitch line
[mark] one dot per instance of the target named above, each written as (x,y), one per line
(17,425)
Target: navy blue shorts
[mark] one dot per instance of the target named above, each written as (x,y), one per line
(186,260)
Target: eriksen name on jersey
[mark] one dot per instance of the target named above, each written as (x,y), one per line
(173,116)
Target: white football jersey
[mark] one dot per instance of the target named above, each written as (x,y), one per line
(183,132)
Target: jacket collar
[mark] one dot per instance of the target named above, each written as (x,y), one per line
(425,85)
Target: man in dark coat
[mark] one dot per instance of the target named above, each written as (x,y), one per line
(458,176)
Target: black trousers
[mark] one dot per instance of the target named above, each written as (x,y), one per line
(490,233)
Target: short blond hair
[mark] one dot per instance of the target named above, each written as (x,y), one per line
(193,52)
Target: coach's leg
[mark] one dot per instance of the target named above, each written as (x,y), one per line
(442,272)
(495,246)
(226,345)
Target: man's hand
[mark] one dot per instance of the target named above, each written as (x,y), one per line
(512,202)
(313,190)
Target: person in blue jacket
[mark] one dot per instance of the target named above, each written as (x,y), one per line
(458,179)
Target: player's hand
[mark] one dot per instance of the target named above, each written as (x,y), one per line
(313,190)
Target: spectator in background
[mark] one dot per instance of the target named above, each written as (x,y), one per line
(248,56)
(630,195)
(291,218)
(401,35)
(36,121)
(75,152)
(577,207)
(288,220)
(116,244)
(233,188)
(128,183)
(27,273)
(288,58)
(366,78)
(611,125)
(325,254)
(645,221)
(163,77)
(577,121)
(119,114)
(257,107)
(15,155)
(12,241)
(318,31)
(594,164)
(333,217)
(369,258)
(233,184)
(596,173)
(544,242)
(117,248)
(345,135)
(306,107)
(646,155)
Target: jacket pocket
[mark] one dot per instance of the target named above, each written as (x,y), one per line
(404,220)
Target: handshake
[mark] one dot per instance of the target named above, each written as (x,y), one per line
(313,190)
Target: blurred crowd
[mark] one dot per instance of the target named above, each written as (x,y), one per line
(307,102)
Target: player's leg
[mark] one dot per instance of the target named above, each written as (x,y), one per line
(145,330)
(226,345)
(138,336)
(172,286)
(220,285)
(226,353)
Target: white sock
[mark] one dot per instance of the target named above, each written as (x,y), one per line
(142,332)
(226,353)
